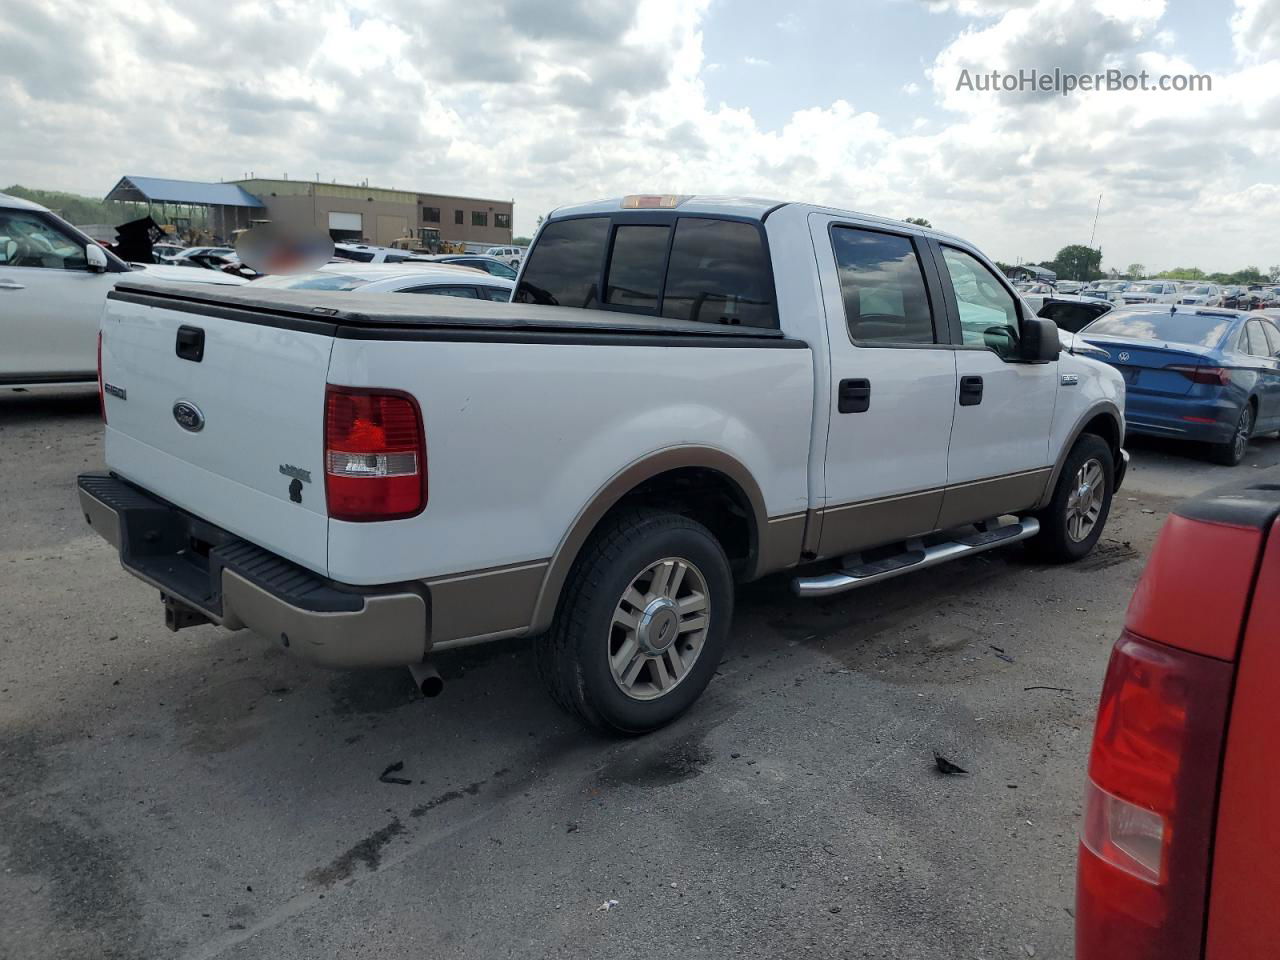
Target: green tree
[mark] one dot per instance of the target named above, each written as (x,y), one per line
(1137,270)
(521,241)
(1182,273)
(1077,262)
(72,206)
(919,221)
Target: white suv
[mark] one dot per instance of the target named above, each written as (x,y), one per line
(510,255)
(53,283)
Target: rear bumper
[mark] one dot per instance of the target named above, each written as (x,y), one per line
(209,574)
(1212,420)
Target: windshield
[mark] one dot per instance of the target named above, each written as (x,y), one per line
(310,281)
(1190,328)
(1200,290)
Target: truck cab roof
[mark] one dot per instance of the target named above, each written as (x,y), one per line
(744,208)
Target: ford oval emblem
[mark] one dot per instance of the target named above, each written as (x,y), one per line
(1123,358)
(188,416)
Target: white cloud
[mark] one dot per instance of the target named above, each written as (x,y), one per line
(1255,30)
(911,89)
(571,99)
(755,62)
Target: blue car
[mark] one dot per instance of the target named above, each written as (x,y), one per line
(1195,373)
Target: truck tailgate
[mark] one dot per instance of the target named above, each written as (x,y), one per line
(224,419)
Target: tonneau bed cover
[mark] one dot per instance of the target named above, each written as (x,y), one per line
(355,314)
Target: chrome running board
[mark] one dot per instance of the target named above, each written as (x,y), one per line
(859,575)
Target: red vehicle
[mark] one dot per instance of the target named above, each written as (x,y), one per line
(1180,846)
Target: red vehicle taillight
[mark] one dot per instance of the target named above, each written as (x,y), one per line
(102,397)
(1151,796)
(1214,376)
(375,455)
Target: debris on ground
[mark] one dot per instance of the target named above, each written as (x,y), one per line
(945,766)
(396,767)
(607,905)
(571,827)
(1005,657)
(1055,689)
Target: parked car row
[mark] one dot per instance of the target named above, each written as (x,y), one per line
(54,282)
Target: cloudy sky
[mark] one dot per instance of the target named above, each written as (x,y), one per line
(848,102)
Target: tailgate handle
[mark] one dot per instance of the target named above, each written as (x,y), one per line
(190,345)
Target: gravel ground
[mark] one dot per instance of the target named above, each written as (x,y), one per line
(200,795)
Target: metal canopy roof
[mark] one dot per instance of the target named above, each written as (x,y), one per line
(156,190)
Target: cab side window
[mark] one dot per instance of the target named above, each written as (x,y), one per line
(883,288)
(1257,340)
(28,240)
(988,312)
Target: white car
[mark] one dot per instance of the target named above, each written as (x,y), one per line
(1068,286)
(181,257)
(1201,295)
(508,255)
(687,392)
(1150,291)
(369,253)
(54,281)
(439,279)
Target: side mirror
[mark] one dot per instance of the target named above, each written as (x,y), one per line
(95,258)
(1039,342)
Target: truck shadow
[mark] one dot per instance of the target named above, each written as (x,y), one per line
(23,406)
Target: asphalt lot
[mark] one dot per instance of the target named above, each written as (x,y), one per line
(200,795)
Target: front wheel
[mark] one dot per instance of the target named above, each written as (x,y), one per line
(1072,522)
(1231,452)
(642,625)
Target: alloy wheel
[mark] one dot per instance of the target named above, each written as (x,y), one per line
(1084,505)
(659,628)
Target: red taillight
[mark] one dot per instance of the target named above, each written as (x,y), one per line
(1149,804)
(102,397)
(375,455)
(1214,376)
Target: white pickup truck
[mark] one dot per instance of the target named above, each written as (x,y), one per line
(687,392)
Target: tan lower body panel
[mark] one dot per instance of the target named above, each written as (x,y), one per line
(968,502)
(857,526)
(390,630)
(498,601)
(781,542)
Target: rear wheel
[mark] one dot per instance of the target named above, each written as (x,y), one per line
(644,620)
(1231,452)
(1072,522)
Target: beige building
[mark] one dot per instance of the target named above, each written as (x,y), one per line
(377,215)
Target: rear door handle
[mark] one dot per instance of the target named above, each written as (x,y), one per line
(10,285)
(970,391)
(854,396)
(190,343)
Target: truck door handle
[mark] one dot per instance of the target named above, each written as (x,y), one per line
(190,343)
(10,285)
(970,391)
(854,396)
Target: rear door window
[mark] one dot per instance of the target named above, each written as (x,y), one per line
(883,288)
(719,273)
(565,265)
(1257,340)
(635,266)
(1273,337)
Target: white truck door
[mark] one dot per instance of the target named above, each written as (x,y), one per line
(50,302)
(1000,458)
(893,385)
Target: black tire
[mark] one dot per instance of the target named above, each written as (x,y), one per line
(1054,543)
(574,656)
(1231,452)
